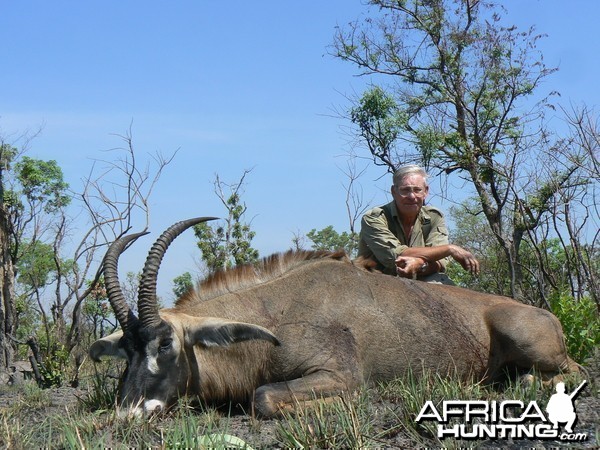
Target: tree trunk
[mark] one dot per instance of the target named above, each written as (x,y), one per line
(7,289)
(6,320)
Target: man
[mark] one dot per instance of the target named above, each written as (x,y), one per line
(407,238)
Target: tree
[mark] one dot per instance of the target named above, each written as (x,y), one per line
(182,284)
(115,198)
(36,270)
(380,122)
(461,103)
(330,240)
(33,192)
(475,234)
(575,217)
(540,278)
(97,311)
(228,243)
(36,227)
(7,295)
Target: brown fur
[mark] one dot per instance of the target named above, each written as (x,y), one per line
(240,277)
(232,374)
(339,325)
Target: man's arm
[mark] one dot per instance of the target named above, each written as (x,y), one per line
(407,261)
(381,242)
(413,258)
(436,253)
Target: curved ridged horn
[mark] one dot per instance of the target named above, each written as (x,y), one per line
(147,301)
(111,278)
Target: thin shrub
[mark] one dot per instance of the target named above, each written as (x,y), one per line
(581,324)
(413,390)
(102,393)
(340,422)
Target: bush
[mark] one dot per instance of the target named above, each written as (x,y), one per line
(580,322)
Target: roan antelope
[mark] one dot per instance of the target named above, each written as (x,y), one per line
(308,323)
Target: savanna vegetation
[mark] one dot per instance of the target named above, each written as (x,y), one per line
(454,89)
(381,416)
(460,92)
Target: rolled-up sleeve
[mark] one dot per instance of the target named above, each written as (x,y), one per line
(379,240)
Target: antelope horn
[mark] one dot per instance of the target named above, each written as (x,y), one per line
(147,301)
(111,279)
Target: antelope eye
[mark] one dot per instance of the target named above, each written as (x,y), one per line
(165,345)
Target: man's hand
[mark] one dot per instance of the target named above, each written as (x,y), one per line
(408,266)
(465,258)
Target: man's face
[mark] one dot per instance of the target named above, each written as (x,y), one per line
(410,194)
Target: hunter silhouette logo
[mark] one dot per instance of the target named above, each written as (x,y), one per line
(561,407)
(507,419)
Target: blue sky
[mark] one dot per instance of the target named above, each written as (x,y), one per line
(233,86)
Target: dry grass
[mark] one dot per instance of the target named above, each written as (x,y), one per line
(376,417)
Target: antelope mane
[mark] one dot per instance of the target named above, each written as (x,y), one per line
(248,275)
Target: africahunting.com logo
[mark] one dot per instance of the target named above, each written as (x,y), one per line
(508,419)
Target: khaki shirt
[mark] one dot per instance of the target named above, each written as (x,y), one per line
(384,242)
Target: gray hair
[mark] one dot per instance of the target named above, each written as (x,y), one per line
(409,169)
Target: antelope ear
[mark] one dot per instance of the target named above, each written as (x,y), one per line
(108,346)
(211,332)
